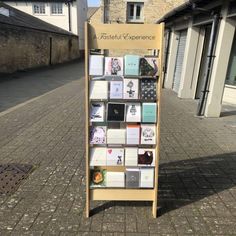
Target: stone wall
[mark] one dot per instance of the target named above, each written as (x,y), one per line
(153,10)
(23,48)
(96,18)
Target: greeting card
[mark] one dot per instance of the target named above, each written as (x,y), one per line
(115,157)
(146,157)
(116,89)
(98,156)
(98,90)
(116,112)
(96,65)
(131,87)
(115,179)
(146,177)
(114,66)
(133,112)
(148,134)
(97,110)
(131,156)
(98,135)
(149,66)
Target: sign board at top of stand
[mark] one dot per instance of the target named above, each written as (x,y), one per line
(125,36)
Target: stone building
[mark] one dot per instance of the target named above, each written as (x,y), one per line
(69,15)
(133,11)
(27,42)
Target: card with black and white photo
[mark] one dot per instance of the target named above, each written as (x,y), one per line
(97,111)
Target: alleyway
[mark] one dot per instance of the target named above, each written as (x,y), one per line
(197,174)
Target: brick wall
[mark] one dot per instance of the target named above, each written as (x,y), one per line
(22,48)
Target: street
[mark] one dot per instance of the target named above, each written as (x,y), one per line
(42,123)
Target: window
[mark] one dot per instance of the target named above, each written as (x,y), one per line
(56,8)
(39,8)
(135,12)
(231,75)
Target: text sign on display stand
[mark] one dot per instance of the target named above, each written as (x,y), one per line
(125,36)
(122,107)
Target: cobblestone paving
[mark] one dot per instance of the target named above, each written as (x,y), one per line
(197,190)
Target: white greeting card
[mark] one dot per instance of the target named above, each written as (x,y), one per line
(133,112)
(96,65)
(98,135)
(98,156)
(116,89)
(97,110)
(133,134)
(115,179)
(99,90)
(116,136)
(114,66)
(148,134)
(146,177)
(115,156)
(131,156)
(131,88)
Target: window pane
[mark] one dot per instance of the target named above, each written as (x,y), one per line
(39,8)
(42,9)
(231,75)
(36,9)
(131,10)
(56,8)
(138,12)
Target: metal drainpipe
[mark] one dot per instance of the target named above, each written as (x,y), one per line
(166,57)
(69,15)
(210,58)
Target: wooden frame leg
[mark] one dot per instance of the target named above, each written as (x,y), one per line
(154,208)
(87,208)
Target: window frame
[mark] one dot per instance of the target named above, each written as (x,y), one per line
(40,7)
(133,19)
(56,4)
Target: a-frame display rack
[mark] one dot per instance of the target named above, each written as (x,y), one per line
(122,37)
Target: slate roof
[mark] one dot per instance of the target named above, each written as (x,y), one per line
(21,19)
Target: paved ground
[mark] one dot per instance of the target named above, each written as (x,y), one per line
(21,86)
(197,193)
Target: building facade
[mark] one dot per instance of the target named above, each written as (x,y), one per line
(133,11)
(69,15)
(27,42)
(201,53)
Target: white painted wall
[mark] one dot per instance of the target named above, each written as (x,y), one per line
(57,20)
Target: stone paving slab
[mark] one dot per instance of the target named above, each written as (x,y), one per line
(197,189)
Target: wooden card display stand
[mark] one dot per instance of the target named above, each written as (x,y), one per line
(122,37)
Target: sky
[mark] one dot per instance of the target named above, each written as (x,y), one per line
(93,3)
